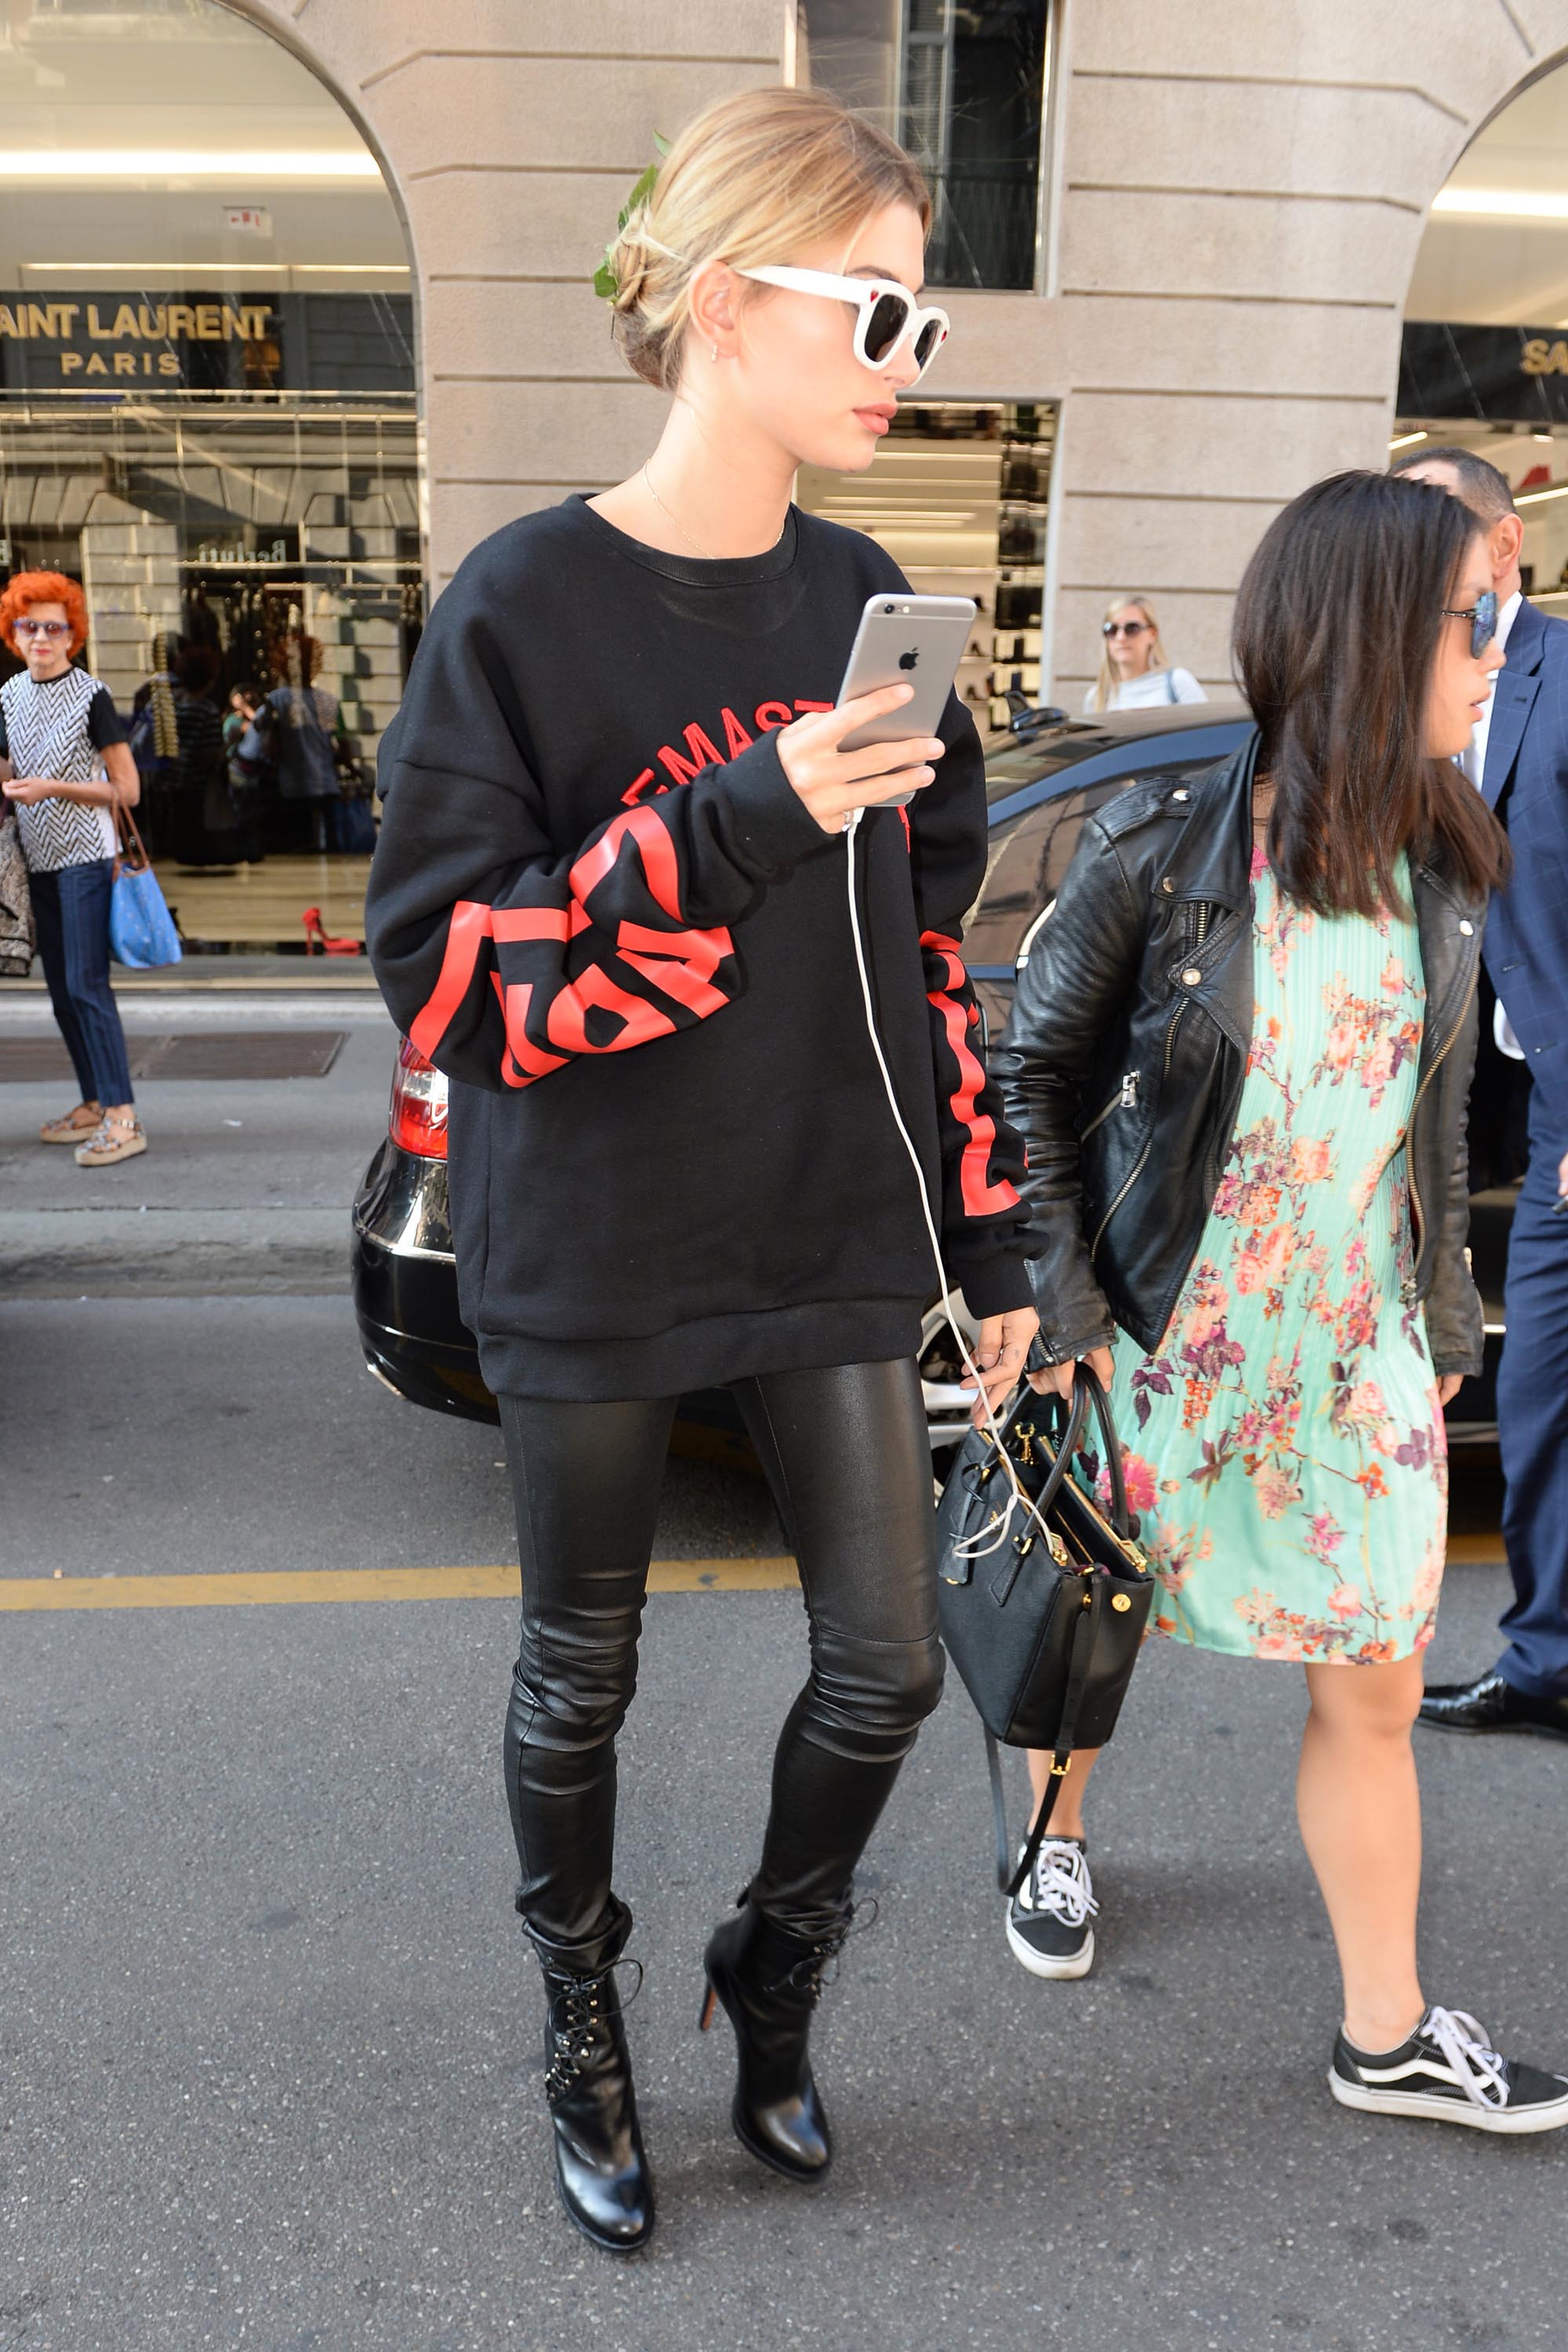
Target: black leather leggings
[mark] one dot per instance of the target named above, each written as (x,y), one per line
(847,1457)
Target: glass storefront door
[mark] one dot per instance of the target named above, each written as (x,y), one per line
(958,494)
(208,416)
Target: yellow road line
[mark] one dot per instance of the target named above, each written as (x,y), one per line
(242,1590)
(245,1591)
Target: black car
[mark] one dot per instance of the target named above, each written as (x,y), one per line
(1042,781)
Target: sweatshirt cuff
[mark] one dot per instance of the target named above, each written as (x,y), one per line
(996,1285)
(773,826)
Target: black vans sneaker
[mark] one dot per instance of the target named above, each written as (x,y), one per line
(1446,2070)
(1047,1919)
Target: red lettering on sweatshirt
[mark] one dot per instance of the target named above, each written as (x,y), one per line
(702,750)
(522,1061)
(982,1198)
(566,1021)
(735,734)
(467,932)
(704,754)
(680,962)
(658,853)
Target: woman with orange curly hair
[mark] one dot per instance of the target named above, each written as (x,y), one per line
(63,762)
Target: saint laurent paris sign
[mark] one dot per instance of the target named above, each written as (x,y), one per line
(108,338)
(205,342)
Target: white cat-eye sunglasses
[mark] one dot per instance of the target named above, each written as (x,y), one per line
(887,313)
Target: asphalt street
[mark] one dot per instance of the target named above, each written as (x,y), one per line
(244,1185)
(268,2044)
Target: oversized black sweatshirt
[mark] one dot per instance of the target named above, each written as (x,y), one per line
(600,907)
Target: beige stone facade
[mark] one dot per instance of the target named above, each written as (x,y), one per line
(1236,195)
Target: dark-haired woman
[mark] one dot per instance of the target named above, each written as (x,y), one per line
(204,815)
(296,725)
(1240,1058)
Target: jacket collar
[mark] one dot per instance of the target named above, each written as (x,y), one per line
(1513,698)
(1526,639)
(1214,859)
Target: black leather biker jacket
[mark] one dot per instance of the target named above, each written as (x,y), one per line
(1122,1064)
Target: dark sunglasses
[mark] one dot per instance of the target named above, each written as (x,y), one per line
(1122,628)
(1482,618)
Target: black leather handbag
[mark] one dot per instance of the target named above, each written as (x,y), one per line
(1043,1597)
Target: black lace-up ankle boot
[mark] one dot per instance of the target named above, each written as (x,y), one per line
(600,2167)
(770,1982)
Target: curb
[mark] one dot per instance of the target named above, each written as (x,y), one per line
(173,1252)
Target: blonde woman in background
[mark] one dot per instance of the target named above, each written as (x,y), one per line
(1134,673)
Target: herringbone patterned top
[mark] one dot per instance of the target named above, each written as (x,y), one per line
(45,729)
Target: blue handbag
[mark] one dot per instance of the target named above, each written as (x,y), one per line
(142,930)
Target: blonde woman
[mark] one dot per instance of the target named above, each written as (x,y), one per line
(1136,673)
(609,900)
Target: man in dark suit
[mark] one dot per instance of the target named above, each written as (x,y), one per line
(1519,760)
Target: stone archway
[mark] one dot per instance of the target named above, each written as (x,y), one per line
(508,141)
(1242,192)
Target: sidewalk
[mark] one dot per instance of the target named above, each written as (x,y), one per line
(247,1185)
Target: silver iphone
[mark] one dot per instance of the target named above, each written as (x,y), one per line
(905,639)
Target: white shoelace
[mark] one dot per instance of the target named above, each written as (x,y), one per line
(1461,2038)
(1060,1883)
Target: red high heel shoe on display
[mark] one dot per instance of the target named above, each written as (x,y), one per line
(315,935)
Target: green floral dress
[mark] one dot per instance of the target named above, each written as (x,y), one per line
(1285,1446)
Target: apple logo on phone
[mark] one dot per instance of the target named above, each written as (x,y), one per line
(908,661)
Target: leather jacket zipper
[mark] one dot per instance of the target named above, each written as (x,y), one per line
(1417,1215)
(1137,1168)
(1124,1098)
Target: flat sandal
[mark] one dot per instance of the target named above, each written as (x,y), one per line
(116,1139)
(73,1126)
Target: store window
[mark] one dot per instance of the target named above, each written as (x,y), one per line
(958,495)
(963,85)
(1484,362)
(207,406)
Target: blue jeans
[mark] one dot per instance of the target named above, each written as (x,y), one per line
(70,910)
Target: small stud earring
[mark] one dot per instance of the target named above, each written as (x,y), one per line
(713,351)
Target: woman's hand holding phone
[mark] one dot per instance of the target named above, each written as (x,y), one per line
(832,782)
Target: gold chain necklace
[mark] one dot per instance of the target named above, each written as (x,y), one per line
(686,535)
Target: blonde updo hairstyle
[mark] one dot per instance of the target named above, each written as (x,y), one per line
(752,180)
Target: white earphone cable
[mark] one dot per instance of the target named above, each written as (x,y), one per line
(971,1547)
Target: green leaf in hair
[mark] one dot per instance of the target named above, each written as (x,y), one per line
(604,281)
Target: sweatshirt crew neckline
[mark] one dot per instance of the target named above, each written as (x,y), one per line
(694,571)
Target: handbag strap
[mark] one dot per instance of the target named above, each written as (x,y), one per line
(1094,1394)
(1067,1444)
(1091,1610)
(120,812)
(1087,1393)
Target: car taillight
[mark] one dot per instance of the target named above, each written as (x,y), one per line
(416,1120)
